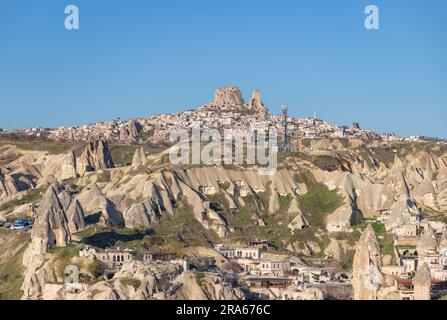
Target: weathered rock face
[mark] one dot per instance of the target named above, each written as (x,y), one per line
(143,215)
(255,103)
(65,198)
(96,156)
(164,191)
(402,212)
(51,228)
(299,222)
(335,250)
(427,243)
(443,240)
(68,167)
(139,158)
(75,217)
(342,218)
(209,289)
(422,283)
(51,225)
(129,134)
(94,202)
(359,196)
(7,185)
(371,186)
(367,277)
(255,100)
(149,280)
(228,97)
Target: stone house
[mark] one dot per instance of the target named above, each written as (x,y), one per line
(236,253)
(114,258)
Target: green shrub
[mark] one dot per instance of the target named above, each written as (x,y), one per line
(318,202)
(284,202)
(96,268)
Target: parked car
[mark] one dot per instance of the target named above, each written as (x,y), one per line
(24,222)
(22,225)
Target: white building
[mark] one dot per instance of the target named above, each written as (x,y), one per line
(236,253)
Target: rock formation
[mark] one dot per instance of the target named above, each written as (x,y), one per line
(427,243)
(402,213)
(96,156)
(299,222)
(7,185)
(129,134)
(255,103)
(422,283)
(68,167)
(228,97)
(443,240)
(51,225)
(94,202)
(139,158)
(366,276)
(75,217)
(364,176)
(208,289)
(143,215)
(342,218)
(51,228)
(335,250)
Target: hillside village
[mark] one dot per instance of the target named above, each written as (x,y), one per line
(349,213)
(227,110)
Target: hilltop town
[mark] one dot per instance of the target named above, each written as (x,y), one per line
(227,110)
(97,212)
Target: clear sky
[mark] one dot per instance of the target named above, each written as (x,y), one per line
(142,57)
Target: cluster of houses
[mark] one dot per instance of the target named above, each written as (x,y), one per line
(118,131)
(429,250)
(114,258)
(251,261)
(261,276)
(160,127)
(418,243)
(277,278)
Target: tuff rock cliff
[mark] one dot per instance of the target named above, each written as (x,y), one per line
(366,275)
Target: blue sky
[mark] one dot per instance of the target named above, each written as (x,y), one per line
(140,57)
